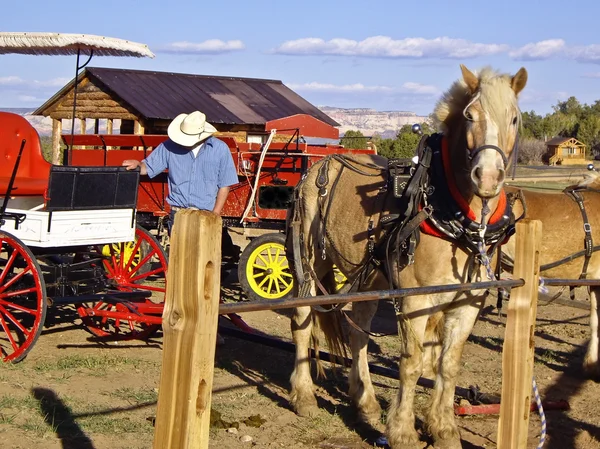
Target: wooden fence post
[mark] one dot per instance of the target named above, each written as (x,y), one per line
(190,322)
(518,349)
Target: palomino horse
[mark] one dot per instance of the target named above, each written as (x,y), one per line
(337,219)
(570,226)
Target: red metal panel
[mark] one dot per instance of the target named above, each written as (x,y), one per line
(34,170)
(82,140)
(308,126)
(283,165)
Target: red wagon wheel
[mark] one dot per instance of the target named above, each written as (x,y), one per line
(138,266)
(22,299)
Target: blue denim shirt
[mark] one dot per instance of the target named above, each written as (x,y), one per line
(193,181)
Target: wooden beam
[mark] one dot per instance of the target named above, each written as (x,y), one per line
(190,321)
(138,128)
(518,349)
(56,133)
(82,126)
(114,114)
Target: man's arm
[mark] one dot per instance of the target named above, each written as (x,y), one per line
(132,164)
(220,201)
(156,162)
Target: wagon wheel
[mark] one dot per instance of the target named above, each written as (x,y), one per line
(263,271)
(22,299)
(140,266)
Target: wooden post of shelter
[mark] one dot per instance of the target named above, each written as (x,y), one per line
(109,129)
(139,129)
(518,349)
(190,320)
(56,133)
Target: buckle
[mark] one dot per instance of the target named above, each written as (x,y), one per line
(587,227)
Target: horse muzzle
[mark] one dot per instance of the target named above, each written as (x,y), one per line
(488,170)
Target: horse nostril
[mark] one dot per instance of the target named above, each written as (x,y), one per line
(501,175)
(478,173)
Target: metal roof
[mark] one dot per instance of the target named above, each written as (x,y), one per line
(224,100)
(557,140)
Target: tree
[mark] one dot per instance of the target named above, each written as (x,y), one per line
(532,125)
(354,139)
(589,134)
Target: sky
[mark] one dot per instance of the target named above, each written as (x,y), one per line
(385,55)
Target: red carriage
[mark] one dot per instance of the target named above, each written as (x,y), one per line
(267,173)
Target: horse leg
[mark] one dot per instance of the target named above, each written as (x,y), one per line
(302,396)
(401,430)
(432,345)
(458,323)
(361,388)
(590,362)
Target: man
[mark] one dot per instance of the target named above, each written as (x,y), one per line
(201,169)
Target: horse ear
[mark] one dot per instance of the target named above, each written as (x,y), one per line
(519,80)
(470,79)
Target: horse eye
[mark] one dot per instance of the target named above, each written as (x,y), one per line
(514,122)
(468,115)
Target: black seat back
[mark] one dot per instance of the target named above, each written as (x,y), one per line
(88,188)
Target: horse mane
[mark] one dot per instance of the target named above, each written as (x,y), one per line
(494,92)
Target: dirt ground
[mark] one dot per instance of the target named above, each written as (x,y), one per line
(74,392)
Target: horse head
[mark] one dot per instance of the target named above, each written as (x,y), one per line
(480,117)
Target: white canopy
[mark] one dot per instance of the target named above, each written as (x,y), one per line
(69,44)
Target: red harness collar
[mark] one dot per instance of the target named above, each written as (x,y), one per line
(429,228)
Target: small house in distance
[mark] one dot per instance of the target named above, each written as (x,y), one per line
(565,151)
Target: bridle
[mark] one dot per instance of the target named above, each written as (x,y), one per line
(471,155)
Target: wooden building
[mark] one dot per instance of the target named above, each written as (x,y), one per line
(565,151)
(145,102)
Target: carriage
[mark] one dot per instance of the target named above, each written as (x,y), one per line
(69,237)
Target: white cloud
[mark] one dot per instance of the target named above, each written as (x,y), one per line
(588,53)
(348,88)
(30,99)
(11,81)
(591,75)
(210,46)
(15,81)
(386,47)
(417,88)
(539,50)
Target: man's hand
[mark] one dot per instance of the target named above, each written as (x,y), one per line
(132,164)
(220,201)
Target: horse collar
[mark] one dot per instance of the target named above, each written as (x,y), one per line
(452,216)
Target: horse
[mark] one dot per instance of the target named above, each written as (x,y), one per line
(340,216)
(568,237)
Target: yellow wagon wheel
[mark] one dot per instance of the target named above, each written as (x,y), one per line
(128,252)
(340,278)
(263,271)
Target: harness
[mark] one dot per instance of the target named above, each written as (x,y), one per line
(428,201)
(452,217)
(588,242)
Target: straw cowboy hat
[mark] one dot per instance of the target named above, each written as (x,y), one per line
(190,129)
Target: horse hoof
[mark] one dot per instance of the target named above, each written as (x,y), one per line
(450,443)
(372,418)
(407,442)
(307,410)
(592,370)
